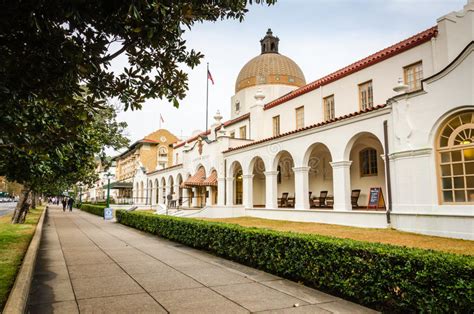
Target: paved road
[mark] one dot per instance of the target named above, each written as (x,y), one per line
(89,265)
(6,208)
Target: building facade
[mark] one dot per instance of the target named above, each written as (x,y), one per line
(387,141)
(153,152)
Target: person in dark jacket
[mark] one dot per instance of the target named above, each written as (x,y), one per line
(70,202)
(64,202)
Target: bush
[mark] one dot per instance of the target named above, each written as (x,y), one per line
(384,277)
(93,209)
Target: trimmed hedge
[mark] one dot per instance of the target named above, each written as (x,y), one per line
(384,277)
(93,209)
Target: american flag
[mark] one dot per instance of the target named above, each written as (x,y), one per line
(209,77)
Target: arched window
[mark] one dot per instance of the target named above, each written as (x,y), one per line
(456,159)
(368,162)
(163,152)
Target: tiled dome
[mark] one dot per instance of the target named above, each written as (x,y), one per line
(270,68)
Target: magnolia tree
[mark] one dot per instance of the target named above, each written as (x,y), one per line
(53,52)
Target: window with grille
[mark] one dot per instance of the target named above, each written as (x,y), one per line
(276,126)
(243,132)
(413,74)
(329,112)
(456,159)
(368,162)
(299,114)
(366,95)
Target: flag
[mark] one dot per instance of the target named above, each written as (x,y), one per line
(161,118)
(209,77)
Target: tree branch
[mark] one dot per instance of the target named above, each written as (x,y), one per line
(117,53)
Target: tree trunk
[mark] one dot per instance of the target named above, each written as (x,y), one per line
(21,207)
(33,200)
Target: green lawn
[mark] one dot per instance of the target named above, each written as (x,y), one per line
(14,241)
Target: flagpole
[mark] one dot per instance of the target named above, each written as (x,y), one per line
(207,93)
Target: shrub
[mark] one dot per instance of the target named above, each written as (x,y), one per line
(384,277)
(93,209)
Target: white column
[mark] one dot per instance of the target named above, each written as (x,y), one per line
(247,187)
(229,190)
(271,189)
(301,187)
(341,172)
(186,197)
(160,197)
(195,198)
(221,191)
(209,198)
(152,195)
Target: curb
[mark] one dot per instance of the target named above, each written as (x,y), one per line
(18,297)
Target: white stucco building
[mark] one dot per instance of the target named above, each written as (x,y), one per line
(313,151)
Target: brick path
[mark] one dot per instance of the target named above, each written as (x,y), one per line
(86,264)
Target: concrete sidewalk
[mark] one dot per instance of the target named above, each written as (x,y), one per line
(86,264)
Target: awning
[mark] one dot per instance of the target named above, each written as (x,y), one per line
(119,185)
(211,180)
(196,180)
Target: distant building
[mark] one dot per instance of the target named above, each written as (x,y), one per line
(153,152)
(352,148)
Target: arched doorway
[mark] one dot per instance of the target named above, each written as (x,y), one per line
(320,180)
(455,150)
(236,173)
(179,182)
(367,169)
(141,200)
(285,179)
(257,169)
(163,190)
(157,192)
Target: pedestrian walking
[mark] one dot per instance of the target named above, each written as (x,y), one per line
(70,202)
(64,202)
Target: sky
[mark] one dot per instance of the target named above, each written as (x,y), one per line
(321,36)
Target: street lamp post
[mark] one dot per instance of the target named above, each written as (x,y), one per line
(108,175)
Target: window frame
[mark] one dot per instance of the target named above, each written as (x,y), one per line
(297,110)
(369,160)
(243,129)
(369,94)
(276,125)
(328,117)
(406,69)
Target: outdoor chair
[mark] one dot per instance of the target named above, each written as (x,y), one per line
(283,200)
(321,200)
(354,198)
(291,202)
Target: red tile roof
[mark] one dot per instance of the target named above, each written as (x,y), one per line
(320,124)
(147,140)
(197,179)
(225,124)
(377,57)
(211,180)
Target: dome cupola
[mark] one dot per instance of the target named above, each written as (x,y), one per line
(270,67)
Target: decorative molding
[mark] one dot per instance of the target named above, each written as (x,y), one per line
(422,152)
(341,164)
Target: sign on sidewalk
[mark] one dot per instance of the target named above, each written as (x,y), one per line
(108,213)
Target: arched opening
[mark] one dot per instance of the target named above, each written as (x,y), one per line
(141,192)
(179,182)
(285,179)
(136,193)
(163,191)
(455,150)
(320,179)
(162,157)
(157,192)
(236,173)
(149,192)
(211,183)
(367,170)
(257,168)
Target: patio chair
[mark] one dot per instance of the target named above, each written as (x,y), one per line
(291,202)
(321,200)
(283,200)
(354,198)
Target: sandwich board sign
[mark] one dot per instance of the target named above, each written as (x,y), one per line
(108,213)
(376,198)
